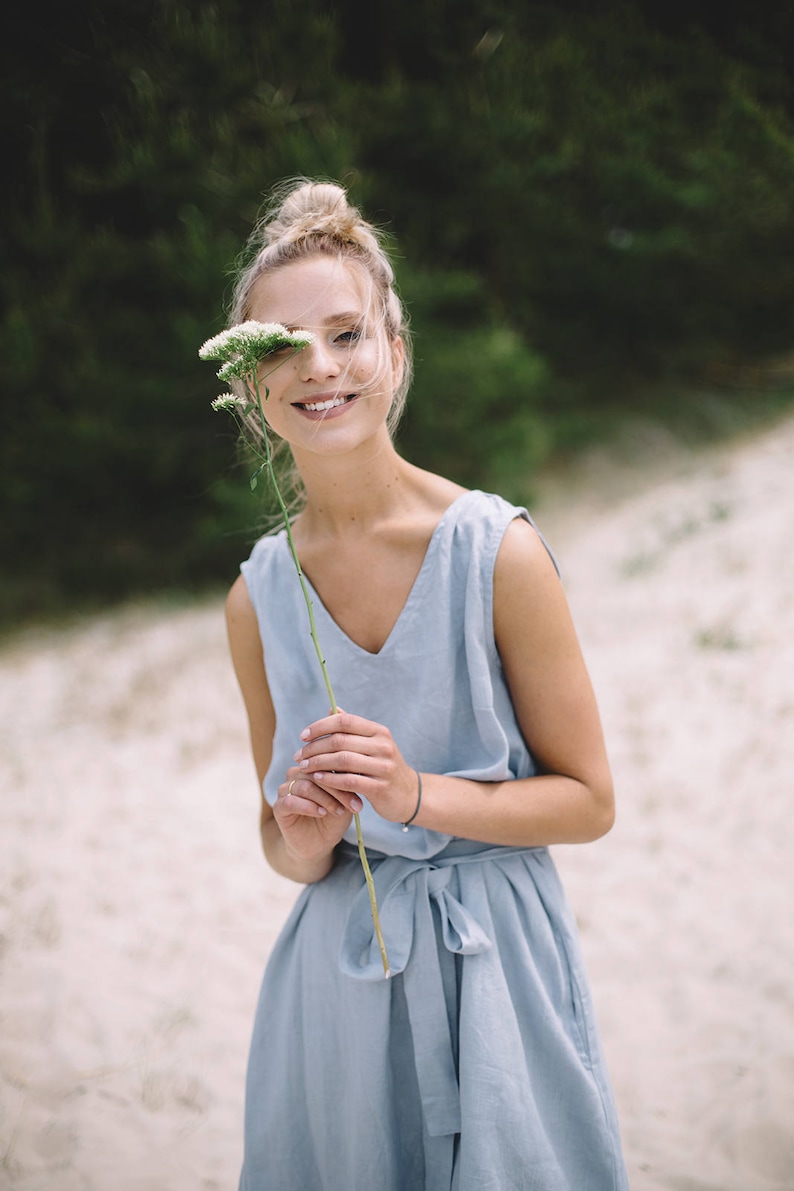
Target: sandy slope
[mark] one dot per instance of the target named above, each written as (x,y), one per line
(136,913)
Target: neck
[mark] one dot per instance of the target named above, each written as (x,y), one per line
(344,494)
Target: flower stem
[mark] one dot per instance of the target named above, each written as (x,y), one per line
(362,852)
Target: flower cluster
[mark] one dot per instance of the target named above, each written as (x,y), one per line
(243,347)
(248,343)
(230,403)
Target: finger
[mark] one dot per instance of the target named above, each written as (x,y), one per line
(341,752)
(349,772)
(343,788)
(339,756)
(347,787)
(348,751)
(343,722)
(302,796)
(332,801)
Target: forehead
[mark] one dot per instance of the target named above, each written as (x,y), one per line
(309,293)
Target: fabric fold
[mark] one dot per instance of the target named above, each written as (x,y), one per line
(407,890)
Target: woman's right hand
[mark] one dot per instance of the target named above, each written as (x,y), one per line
(311,820)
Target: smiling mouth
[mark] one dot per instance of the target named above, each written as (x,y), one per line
(316,407)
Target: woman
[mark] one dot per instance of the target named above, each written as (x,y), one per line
(470,741)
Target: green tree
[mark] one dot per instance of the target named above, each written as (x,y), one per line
(580,202)
(144,140)
(625,196)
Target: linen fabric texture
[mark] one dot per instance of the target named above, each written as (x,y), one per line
(477,1066)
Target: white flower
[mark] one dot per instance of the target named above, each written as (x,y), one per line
(247,343)
(237,369)
(230,403)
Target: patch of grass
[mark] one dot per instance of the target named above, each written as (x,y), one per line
(689,414)
(721,637)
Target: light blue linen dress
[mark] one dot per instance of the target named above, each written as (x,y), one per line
(477,1066)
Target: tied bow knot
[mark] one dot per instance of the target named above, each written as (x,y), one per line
(409,893)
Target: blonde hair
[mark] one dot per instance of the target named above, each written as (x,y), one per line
(310,218)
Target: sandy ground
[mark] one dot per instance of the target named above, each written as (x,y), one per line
(136,913)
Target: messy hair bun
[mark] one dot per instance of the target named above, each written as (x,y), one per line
(317,209)
(310,218)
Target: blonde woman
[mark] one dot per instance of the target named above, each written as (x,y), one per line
(470,741)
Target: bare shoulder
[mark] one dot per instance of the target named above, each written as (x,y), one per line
(239,609)
(243,629)
(434,492)
(523,559)
(530,607)
(445,492)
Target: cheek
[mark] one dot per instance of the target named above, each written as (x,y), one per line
(365,357)
(275,373)
(372,364)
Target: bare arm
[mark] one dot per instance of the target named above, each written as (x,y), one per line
(571,801)
(296,845)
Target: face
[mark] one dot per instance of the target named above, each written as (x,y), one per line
(336,393)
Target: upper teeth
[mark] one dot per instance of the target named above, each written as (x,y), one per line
(316,406)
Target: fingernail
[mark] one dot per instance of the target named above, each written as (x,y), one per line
(356,804)
(303,764)
(297,756)
(305,734)
(321,811)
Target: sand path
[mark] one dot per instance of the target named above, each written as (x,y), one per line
(136,914)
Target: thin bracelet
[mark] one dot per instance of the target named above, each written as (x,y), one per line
(408,822)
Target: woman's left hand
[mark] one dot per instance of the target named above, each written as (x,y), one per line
(348,753)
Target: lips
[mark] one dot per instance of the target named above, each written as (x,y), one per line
(322,406)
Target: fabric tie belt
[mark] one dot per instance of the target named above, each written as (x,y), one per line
(407,890)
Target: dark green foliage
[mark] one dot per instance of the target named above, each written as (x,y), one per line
(581,204)
(625,198)
(473,413)
(143,145)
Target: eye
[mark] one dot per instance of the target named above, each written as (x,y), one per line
(349,337)
(276,354)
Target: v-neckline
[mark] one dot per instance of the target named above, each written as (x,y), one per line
(409,599)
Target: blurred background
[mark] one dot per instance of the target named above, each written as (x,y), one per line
(590,209)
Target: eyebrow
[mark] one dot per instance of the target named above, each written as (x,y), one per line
(334,320)
(347,316)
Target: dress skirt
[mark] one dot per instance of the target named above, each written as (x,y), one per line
(475,1067)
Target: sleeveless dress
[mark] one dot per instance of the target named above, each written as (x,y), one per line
(477,1066)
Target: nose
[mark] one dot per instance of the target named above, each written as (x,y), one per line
(317,361)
